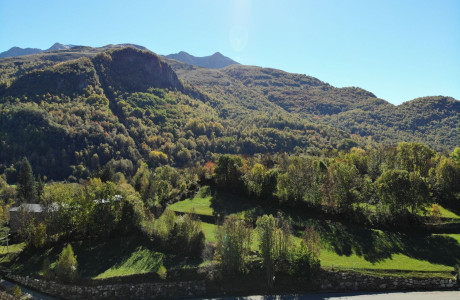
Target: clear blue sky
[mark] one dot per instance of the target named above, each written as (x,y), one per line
(397,49)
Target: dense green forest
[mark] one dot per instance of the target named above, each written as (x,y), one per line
(430,120)
(72,111)
(119,142)
(72,117)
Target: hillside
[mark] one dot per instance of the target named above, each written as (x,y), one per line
(154,170)
(431,120)
(72,111)
(82,107)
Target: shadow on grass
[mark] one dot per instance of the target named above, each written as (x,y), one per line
(376,246)
(373,245)
(224,204)
(96,257)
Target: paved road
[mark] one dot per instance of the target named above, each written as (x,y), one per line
(445,295)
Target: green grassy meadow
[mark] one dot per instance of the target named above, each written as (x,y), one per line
(350,247)
(200,205)
(445,213)
(352,256)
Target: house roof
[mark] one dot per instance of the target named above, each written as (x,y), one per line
(29,207)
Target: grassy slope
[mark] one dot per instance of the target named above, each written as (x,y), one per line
(103,259)
(330,258)
(140,261)
(348,247)
(445,213)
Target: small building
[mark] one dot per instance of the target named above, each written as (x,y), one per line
(36,211)
(39,211)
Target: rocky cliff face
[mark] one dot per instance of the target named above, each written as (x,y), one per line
(131,69)
(126,69)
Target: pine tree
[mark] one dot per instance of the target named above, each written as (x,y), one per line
(66,265)
(40,185)
(26,184)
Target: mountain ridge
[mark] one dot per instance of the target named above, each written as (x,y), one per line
(123,105)
(237,88)
(18,51)
(214,61)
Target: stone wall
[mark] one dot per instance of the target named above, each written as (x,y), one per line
(6,296)
(342,281)
(160,290)
(325,281)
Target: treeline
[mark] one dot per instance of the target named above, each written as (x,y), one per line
(384,185)
(387,185)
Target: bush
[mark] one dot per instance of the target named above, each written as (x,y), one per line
(274,243)
(46,269)
(66,265)
(177,234)
(187,235)
(39,236)
(233,245)
(17,291)
(164,225)
(162,272)
(435,213)
(304,259)
(302,262)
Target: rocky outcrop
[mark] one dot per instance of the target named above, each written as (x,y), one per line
(130,69)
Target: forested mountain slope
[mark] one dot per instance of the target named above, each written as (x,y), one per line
(72,111)
(431,120)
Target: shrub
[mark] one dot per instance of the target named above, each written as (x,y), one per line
(435,213)
(46,269)
(302,262)
(304,259)
(162,272)
(66,265)
(165,224)
(233,245)
(17,291)
(177,234)
(39,236)
(187,235)
(274,242)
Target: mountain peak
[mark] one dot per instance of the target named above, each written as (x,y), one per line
(58,46)
(215,61)
(18,51)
